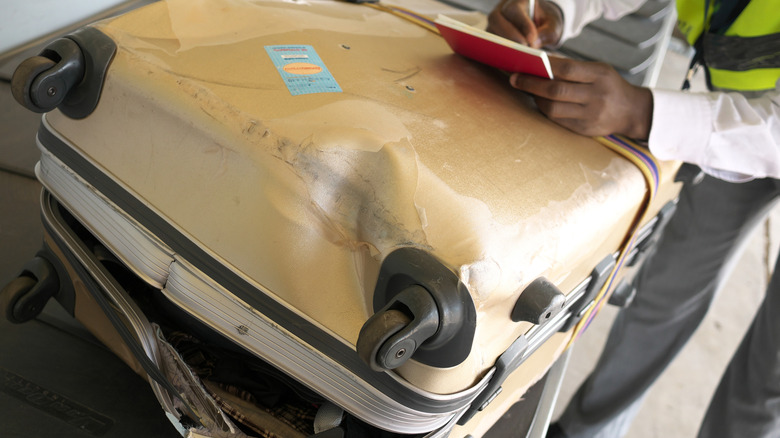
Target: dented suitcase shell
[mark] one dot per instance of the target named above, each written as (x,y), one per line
(291,218)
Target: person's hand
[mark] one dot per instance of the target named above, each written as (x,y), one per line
(590,98)
(510,19)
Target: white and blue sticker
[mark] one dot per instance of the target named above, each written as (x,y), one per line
(302,70)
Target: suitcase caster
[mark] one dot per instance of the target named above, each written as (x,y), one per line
(41,84)
(421,310)
(24,297)
(68,74)
(390,337)
(374,335)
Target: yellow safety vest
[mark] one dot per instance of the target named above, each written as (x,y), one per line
(744,57)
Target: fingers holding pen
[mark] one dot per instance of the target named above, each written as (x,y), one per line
(565,103)
(590,98)
(499,24)
(512,19)
(517,13)
(557,90)
(573,81)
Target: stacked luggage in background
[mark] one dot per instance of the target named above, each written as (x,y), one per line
(311,218)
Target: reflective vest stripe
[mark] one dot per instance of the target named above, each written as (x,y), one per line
(759,18)
(751,80)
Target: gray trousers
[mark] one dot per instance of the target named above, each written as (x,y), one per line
(674,291)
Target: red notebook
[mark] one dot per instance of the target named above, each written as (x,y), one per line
(493,50)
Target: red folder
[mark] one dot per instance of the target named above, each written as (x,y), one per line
(493,50)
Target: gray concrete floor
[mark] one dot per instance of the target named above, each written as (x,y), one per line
(677,402)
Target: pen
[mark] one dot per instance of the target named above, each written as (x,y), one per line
(531,9)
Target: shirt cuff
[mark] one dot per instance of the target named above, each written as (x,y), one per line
(681,126)
(681,130)
(569,16)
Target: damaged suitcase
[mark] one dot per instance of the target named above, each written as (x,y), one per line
(311,217)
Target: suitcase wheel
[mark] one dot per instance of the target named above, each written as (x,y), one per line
(42,83)
(442,312)
(24,297)
(375,334)
(23,79)
(68,74)
(393,334)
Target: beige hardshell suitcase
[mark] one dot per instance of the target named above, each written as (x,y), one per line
(326,188)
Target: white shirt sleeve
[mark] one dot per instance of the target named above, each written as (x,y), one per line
(578,13)
(728,135)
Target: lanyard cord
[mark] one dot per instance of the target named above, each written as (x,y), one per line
(723,16)
(698,54)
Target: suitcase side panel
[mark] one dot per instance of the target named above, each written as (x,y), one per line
(317,343)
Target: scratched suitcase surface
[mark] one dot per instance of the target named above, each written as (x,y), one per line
(325,191)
